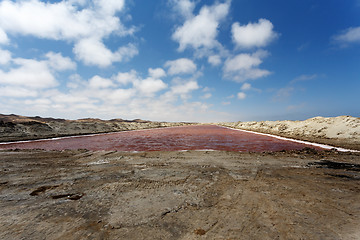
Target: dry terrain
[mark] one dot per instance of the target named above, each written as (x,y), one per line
(342,131)
(15,127)
(179,195)
(81,194)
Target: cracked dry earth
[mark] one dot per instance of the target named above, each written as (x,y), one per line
(179,195)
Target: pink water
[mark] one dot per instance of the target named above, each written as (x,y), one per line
(166,139)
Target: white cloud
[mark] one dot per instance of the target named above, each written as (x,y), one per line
(206,89)
(125,53)
(61,20)
(150,86)
(180,66)
(86,25)
(60,63)
(184,7)
(63,98)
(30,73)
(126,77)
(214,60)
(304,77)
(5,57)
(283,93)
(348,36)
(75,81)
(156,73)
(246,86)
(99,82)
(251,35)
(206,96)
(244,66)
(17,92)
(184,88)
(241,95)
(120,96)
(109,7)
(202,29)
(3,37)
(93,52)
(96,98)
(39,101)
(26,77)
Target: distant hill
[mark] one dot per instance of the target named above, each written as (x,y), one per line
(15,127)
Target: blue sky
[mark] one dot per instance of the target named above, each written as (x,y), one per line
(180,60)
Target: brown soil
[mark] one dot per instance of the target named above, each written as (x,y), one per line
(179,195)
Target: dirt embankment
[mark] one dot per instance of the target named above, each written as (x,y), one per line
(179,195)
(342,131)
(14,127)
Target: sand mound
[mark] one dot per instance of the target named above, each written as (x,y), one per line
(342,131)
(15,127)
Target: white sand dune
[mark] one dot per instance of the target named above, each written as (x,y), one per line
(342,131)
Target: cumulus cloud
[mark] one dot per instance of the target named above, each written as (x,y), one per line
(206,96)
(125,78)
(245,66)
(5,57)
(99,82)
(347,37)
(30,73)
(150,86)
(184,7)
(85,24)
(94,52)
(201,30)
(156,73)
(61,20)
(3,37)
(120,96)
(258,34)
(184,88)
(60,63)
(109,7)
(246,86)
(26,77)
(107,98)
(18,92)
(148,98)
(180,66)
(241,95)
(214,60)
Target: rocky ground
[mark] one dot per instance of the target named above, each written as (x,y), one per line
(342,131)
(15,127)
(179,195)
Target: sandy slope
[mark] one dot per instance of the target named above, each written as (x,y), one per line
(14,127)
(342,131)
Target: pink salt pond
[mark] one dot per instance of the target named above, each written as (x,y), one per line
(203,137)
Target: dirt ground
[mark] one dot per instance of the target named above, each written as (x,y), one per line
(179,195)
